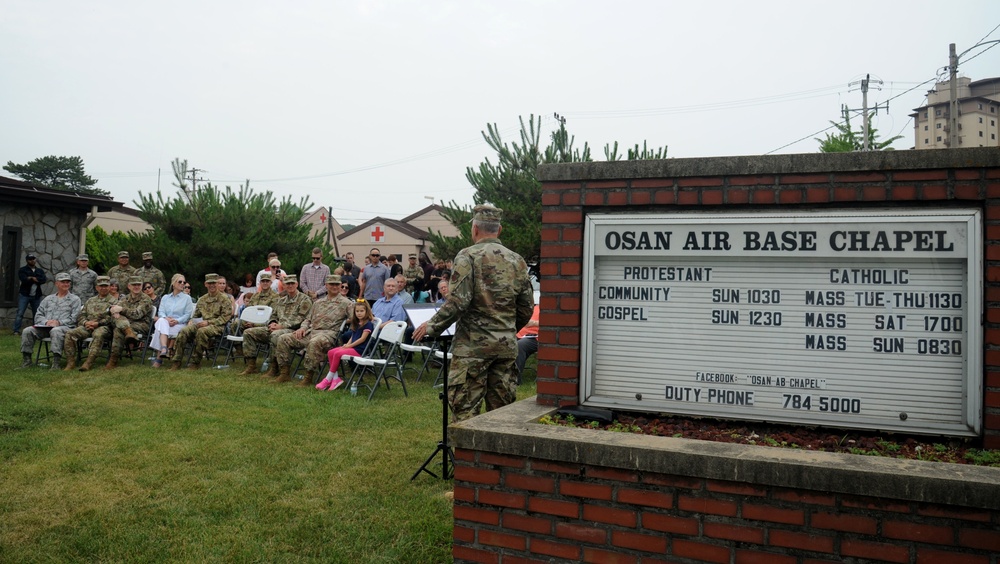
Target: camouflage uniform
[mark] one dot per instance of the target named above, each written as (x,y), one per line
(65,310)
(288,312)
(216,310)
(413,275)
(267,298)
(153,276)
(491,298)
(322,328)
(82,283)
(121,274)
(96,309)
(135,313)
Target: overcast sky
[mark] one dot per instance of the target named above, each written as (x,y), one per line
(372,106)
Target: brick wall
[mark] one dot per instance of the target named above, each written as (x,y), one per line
(522,509)
(961,177)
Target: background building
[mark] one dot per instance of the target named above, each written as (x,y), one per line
(978,115)
(398,237)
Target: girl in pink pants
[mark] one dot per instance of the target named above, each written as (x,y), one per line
(361,328)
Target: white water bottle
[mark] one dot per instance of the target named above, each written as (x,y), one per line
(354,388)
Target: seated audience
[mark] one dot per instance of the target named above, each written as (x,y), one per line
(173,313)
(55,317)
(527,343)
(129,318)
(361,328)
(442,291)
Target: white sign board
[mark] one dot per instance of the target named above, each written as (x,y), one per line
(859,319)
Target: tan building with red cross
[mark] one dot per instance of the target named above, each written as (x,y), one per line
(399,237)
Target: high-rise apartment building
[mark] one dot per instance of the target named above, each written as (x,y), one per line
(978,115)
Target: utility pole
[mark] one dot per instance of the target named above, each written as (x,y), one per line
(866,127)
(194,172)
(953,99)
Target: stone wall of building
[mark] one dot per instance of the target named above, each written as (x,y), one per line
(53,235)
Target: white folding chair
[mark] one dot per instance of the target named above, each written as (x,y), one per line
(385,351)
(257,315)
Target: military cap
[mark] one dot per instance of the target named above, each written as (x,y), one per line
(135,280)
(83,257)
(412,255)
(485,212)
(265,276)
(122,254)
(103,281)
(291,279)
(211,278)
(30,256)
(62,276)
(148,255)
(333,279)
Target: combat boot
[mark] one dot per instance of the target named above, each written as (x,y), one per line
(272,370)
(251,368)
(112,362)
(130,336)
(175,365)
(56,362)
(70,362)
(307,379)
(25,360)
(283,375)
(87,363)
(195,365)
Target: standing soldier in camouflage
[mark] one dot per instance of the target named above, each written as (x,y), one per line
(214,310)
(318,332)
(414,277)
(151,274)
(123,271)
(265,297)
(55,317)
(491,299)
(291,311)
(94,321)
(82,279)
(129,316)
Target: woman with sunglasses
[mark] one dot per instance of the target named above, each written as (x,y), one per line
(174,312)
(147,288)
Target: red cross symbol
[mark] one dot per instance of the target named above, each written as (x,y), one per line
(377,234)
(322,218)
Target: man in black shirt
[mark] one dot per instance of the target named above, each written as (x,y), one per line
(30,293)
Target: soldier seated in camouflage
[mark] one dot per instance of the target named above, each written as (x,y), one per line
(318,333)
(129,317)
(94,321)
(290,311)
(214,311)
(56,316)
(265,297)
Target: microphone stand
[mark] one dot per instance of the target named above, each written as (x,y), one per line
(447,456)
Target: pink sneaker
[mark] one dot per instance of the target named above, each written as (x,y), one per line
(323,384)
(336,383)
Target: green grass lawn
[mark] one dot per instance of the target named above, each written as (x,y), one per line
(137,464)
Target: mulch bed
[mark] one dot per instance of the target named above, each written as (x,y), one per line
(939,449)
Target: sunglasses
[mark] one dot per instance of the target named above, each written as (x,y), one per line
(344,286)
(376,255)
(317,258)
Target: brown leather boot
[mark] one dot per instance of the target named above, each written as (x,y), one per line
(283,375)
(70,362)
(112,362)
(307,379)
(251,368)
(175,365)
(272,370)
(130,336)
(87,364)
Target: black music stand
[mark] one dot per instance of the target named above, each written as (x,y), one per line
(419,313)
